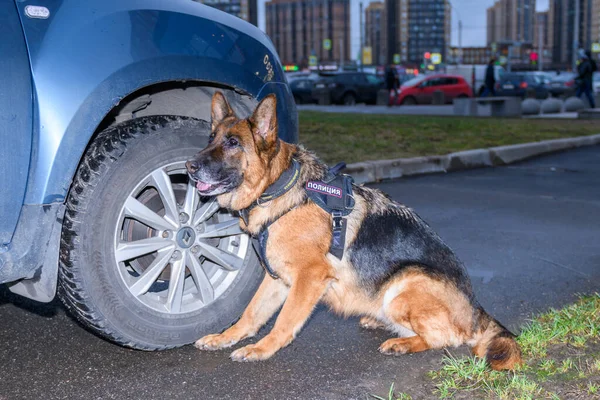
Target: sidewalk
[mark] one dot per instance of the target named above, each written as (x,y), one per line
(375,171)
(445,110)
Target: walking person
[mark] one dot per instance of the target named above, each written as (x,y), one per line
(490,79)
(391,82)
(585,71)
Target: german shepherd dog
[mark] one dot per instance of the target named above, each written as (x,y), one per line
(395,271)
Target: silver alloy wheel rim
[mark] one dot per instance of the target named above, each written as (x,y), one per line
(176,253)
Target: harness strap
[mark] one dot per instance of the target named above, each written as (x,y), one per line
(333,194)
(281,186)
(338,237)
(260,246)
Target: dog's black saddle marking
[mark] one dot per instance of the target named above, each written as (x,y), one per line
(333,194)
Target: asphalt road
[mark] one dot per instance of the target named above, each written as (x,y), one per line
(529,234)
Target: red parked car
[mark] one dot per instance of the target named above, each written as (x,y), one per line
(420,90)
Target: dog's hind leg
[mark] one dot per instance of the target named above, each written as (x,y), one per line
(305,292)
(411,344)
(266,301)
(435,311)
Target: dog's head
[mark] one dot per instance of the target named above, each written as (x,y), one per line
(239,151)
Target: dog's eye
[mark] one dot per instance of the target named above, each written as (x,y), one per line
(232,142)
(212,137)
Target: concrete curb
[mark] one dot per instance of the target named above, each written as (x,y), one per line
(374,171)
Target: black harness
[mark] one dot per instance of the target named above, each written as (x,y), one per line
(333,194)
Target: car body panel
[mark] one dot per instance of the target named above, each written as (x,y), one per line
(70,64)
(517,84)
(350,83)
(302,89)
(86,57)
(422,88)
(563,83)
(16,111)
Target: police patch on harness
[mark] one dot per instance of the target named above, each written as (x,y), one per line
(320,187)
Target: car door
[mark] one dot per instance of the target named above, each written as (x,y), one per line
(541,90)
(447,86)
(301,90)
(454,89)
(374,84)
(362,87)
(15,119)
(305,90)
(426,89)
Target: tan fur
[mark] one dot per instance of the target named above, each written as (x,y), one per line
(371,323)
(500,352)
(426,312)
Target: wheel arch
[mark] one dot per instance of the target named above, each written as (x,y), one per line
(410,96)
(351,92)
(44,221)
(82,70)
(189,98)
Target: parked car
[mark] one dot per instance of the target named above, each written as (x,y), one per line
(302,90)
(596,82)
(563,84)
(518,84)
(420,90)
(349,88)
(101,106)
(474,75)
(544,75)
(291,76)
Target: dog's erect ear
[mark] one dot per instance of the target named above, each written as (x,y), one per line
(220,109)
(264,120)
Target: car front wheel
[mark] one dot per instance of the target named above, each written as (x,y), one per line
(349,99)
(145,261)
(409,101)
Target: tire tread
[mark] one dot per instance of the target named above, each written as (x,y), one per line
(108,146)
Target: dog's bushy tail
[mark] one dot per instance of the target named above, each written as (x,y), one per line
(495,343)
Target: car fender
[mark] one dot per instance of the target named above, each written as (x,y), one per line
(86,59)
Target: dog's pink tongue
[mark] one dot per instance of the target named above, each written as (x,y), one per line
(201,186)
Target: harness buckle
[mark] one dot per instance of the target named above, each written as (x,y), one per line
(337,219)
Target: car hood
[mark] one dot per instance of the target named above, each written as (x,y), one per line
(204,11)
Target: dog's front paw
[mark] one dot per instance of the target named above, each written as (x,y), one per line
(252,352)
(395,346)
(215,342)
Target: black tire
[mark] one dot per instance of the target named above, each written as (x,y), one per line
(462,96)
(409,101)
(89,281)
(349,99)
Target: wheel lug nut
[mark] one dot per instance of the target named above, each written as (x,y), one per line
(200,229)
(183,217)
(195,249)
(176,255)
(165,234)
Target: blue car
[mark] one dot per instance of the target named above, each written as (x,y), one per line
(101,104)
(518,84)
